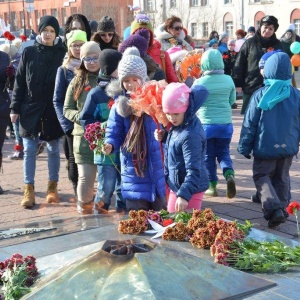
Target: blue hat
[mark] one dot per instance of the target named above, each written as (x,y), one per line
(264,58)
(251,29)
(213,41)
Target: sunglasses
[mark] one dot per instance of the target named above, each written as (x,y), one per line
(90,60)
(106,34)
(76,46)
(177,28)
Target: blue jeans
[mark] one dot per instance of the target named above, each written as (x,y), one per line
(18,138)
(29,162)
(109,180)
(217,148)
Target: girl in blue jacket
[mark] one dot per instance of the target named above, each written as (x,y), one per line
(185,149)
(143,183)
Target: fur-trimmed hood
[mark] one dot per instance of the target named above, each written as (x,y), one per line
(115,91)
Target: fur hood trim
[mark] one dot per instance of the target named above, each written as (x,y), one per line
(114,89)
(122,107)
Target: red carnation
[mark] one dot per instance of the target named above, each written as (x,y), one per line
(23,37)
(293,207)
(87,88)
(6,34)
(11,37)
(18,147)
(167,222)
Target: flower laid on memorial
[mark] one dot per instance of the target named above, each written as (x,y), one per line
(292,209)
(17,274)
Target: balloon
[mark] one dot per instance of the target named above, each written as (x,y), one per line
(295,60)
(295,48)
(238,44)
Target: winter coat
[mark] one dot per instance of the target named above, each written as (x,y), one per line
(133,187)
(33,90)
(4,96)
(62,81)
(223,47)
(96,109)
(185,150)
(167,40)
(156,53)
(216,109)
(274,133)
(246,72)
(83,154)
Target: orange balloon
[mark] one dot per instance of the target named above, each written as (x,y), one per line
(295,60)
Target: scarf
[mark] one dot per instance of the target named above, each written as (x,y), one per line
(135,143)
(73,64)
(278,91)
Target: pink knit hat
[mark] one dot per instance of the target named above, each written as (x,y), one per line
(175,98)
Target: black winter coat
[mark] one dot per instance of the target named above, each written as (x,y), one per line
(33,90)
(246,73)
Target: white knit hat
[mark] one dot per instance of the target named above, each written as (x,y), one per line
(132,65)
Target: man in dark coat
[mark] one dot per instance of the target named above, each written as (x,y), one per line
(246,74)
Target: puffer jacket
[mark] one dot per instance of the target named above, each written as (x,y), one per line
(246,72)
(33,90)
(62,81)
(156,53)
(96,109)
(274,133)
(185,150)
(167,40)
(132,186)
(83,154)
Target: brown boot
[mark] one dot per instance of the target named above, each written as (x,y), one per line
(52,196)
(29,198)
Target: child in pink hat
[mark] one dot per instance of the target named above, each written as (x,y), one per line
(185,148)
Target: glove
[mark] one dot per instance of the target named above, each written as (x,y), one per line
(248,156)
(10,72)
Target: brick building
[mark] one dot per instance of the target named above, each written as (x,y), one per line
(12,11)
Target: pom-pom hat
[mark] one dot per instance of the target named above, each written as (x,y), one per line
(137,41)
(76,35)
(106,24)
(49,21)
(175,98)
(132,65)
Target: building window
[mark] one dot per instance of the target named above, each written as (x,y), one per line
(204,2)
(193,29)
(229,28)
(150,5)
(195,2)
(227,1)
(172,3)
(54,12)
(205,29)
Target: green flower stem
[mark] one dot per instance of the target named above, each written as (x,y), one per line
(296,216)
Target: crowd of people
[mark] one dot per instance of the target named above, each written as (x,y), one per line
(65,82)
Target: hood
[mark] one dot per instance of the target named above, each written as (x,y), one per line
(162,34)
(197,97)
(278,66)
(212,60)
(85,22)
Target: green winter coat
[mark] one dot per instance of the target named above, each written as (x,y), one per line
(83,154)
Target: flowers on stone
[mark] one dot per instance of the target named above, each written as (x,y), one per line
(292,209)
(17,274)
(10,37)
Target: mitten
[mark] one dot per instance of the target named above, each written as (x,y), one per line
(248,156)
(10,72)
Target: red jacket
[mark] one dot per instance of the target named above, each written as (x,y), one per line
(155,52)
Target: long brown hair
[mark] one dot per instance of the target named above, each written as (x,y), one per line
(80,81)
(114,43)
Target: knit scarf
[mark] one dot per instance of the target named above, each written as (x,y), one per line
(278,91)
(73,64)
(135,143)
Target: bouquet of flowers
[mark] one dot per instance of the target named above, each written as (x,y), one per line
(95,134)
(148,99)
(17,274)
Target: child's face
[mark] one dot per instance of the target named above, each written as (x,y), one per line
(215,46)
(176,119)
(131,83)
(231,46)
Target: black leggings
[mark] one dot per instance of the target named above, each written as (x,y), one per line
(72,168)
